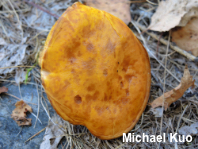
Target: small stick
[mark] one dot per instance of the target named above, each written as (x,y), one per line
(158,44)
(35,134)
(151,2)
(20,131)
(38,106)
(132,2)
(36,117)
(19,98)
(165,42)
(12,96)
(128,2)
(14,67)
(41,8)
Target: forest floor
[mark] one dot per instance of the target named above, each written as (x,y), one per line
(24,27)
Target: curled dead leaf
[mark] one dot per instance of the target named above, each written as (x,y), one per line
(20,76)
(173,95)
(12,55)
(187,37)
(53,133)
(189,130)
(19,113)
(118,8)
(158,112)
(171,13)
(3,89)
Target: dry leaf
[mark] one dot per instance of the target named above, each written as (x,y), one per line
(187,37)
(173,95)
(189,130)
(193,12)
(53,134)
(20,76)
(19,113)
(3,89)
(171,13)
(3,42)
(43,21)
(118,8)
(12,55)
(158,112)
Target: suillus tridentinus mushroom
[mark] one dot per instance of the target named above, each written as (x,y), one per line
(95,71)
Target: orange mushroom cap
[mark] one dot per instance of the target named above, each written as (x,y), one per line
(95,71)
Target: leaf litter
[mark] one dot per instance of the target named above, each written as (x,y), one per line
(20,76)
(53,133)
(170,14)
(118,8)
(12,55)
(19,114)
(189,130)
(171,96)
(3,89)
(32,32)
(187,37)
(180,16)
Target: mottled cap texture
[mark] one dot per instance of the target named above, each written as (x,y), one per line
(95,71)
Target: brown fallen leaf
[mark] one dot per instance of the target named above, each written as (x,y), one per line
(173,95)
(171,13)
(187,37)
(12,55)
(189,130)
(118,8)
(3,89)
(20,76)
(53,133)
(19,113)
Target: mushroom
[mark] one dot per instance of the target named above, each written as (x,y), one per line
(95,71)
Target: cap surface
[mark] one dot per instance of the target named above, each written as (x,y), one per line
(95,71)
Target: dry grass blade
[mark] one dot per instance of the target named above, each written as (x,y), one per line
(38,108)
(35,135)
(151,53)
(165,42)
(161,123)
(19,98)
(15,67)
(41,8)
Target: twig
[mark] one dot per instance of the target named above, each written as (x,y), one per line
(19,98)
(161,123)
(165,42)
(158,44)
(20,91)
(151,2)
(35,134)
(19,22)
(36,117)
(12,81)
(151,53)
(132,2)
(156,79)
(180,119)
(48,114)
(41,8)
(38,106)
(12,96)
(20,131)
(14,67)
